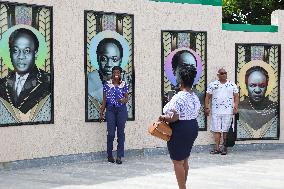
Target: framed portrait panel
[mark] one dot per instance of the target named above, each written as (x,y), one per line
(189,47)
(258,76)
(109,42)
(26,64)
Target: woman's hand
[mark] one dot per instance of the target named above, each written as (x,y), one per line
(162,118)
(235,111)
(122,100)
(101,119)
(207,111)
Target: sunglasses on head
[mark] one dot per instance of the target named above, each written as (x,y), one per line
(223,73)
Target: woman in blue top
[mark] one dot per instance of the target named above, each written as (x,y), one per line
(181,112)
(115,97)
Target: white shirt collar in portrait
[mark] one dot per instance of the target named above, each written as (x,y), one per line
(20,82)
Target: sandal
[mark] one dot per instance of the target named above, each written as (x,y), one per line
(215,152)
(224,152)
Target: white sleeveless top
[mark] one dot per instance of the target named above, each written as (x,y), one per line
(186,104)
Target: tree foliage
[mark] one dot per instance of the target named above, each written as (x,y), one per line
(250,11)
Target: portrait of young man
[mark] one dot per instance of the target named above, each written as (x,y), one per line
(109,54)
(184,47)
(105,49)
(186,57)
(26,85)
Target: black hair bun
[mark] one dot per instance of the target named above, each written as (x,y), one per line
(187,73)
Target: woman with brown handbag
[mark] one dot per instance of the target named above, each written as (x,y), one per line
(181,112)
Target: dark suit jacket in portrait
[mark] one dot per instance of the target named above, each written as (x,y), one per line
(36,87)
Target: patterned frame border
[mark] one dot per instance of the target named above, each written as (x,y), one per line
(51,66)
(85,63)
(162,66)
(236,79)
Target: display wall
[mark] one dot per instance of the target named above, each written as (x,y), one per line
(70,133)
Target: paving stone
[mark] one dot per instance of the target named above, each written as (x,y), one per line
(240,169)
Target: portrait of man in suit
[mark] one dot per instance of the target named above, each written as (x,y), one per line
(26,85)
(184,47)
(185,57)
(109,54)
(110,44)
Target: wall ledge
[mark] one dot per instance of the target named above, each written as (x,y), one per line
(201,2)
(249,27)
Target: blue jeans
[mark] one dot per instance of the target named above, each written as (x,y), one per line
(116,118)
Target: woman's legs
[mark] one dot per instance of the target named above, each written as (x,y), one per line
(180,173)
(186,168)
(121,120)
(111,127)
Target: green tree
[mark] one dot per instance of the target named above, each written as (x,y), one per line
(250,11)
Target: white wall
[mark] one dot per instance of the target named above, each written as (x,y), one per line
(70,134)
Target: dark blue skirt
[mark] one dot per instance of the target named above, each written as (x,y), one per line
(184,134)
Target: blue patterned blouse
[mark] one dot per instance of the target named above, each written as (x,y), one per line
(114,93)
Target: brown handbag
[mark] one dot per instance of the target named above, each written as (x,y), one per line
(161,130)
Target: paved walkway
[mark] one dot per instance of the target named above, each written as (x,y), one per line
(237,170)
